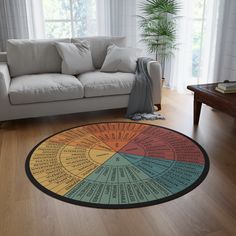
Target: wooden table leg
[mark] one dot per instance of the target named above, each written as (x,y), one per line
(197,111)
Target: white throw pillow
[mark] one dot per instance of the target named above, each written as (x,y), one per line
(121,59)
(76,57)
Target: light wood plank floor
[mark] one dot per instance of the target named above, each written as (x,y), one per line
(210,209)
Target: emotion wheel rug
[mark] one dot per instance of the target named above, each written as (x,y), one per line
(117,165)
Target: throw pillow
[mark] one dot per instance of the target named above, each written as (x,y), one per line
(76,57)
(120,59)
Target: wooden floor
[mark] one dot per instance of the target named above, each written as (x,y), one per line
(210,209)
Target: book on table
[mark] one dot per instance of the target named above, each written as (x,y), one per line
(225,91)
(227,86)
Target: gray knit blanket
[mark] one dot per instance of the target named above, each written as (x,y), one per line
(140,100)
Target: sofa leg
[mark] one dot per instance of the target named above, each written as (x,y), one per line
(158,106)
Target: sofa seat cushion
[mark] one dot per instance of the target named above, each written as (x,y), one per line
(44,88)
(97,84)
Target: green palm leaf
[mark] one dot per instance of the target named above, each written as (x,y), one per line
(158,26)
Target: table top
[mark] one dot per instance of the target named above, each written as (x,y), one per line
(209,90)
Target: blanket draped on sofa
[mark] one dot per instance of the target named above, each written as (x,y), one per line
(140,100)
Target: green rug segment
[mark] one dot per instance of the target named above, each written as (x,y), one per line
(116,178)
(173,175)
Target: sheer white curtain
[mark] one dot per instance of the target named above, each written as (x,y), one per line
(20,19)
(226,63)
(179,69)
(179,73)
(13,21)
(117,18)
(35,19)
(211,38)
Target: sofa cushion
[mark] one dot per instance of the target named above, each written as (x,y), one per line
(33,56)
(98,46)
(98,83)
(44,88)
(120,59)
(76,57)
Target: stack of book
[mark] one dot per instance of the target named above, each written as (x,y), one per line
(226,87)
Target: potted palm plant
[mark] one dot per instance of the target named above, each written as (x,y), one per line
(158,28)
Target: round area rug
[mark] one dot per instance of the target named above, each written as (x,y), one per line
(117,165)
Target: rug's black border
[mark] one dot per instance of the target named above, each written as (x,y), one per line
(119,206)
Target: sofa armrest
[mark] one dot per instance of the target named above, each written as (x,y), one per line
(154,69)
(3,57)
(5,79)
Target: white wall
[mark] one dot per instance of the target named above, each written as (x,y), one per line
(227,56)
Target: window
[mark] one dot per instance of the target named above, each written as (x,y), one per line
(69,18)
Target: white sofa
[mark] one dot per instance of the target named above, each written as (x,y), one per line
(31,83)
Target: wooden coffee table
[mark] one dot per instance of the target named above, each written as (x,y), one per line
(205,93)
